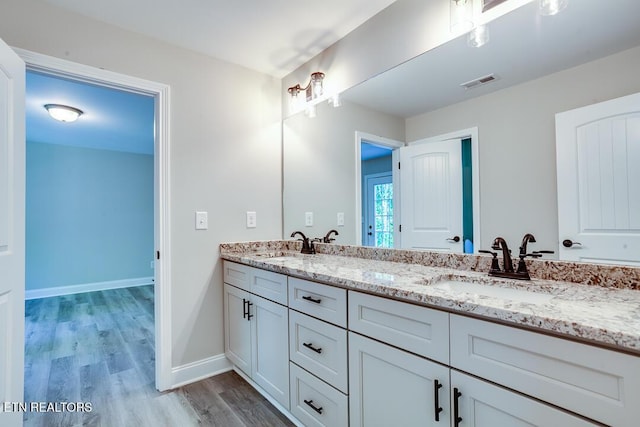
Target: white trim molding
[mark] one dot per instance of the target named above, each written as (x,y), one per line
(162,198)
(199,370)
(381,141)
(86,287)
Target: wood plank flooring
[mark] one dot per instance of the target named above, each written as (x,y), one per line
(98,347)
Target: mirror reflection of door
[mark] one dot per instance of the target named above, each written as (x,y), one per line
(436,199)
(379,210)
(598,152)
(377,195)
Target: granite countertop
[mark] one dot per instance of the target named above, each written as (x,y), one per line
(605,316)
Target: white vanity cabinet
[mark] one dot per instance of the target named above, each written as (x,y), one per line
(318,353)
(597,383)
(391,387)
(334,357)
(416,382)
(257,329)
(478,403)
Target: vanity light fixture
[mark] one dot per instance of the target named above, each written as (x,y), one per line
(461,15)
(311,91)
(479,36)
(63,113)
(552,7)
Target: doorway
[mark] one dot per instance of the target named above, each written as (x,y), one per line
(161,228)
(377,190)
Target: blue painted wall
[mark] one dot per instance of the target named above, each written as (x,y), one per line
(89,215)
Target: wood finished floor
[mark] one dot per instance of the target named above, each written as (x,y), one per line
(98,347)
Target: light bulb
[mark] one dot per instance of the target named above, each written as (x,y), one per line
(479,36)
(552,7)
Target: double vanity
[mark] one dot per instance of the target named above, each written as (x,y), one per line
(372,337)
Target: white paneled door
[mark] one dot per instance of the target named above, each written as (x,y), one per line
(598,163)
(431,199)
(12,234)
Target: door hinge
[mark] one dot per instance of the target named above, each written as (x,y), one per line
(157,254)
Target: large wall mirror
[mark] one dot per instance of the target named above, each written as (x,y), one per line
(540,66)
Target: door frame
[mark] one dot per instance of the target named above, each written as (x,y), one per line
(471,133)
(162,224)
(361,137)
(367,199)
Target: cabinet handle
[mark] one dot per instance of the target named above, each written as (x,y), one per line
(437,409)
(244,308)
(312,299)
(249,315)
(456,416)
(311,347)
(314,407)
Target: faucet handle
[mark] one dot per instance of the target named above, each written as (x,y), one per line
(543,252)
(494,262)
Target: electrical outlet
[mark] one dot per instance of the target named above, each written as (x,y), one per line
(202,220)
(308,219)
(251,220)
(340,219)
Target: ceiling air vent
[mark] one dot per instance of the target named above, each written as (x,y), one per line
(479,81)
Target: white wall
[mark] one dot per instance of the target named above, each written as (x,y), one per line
(517,142)
(319,166)
(225,151)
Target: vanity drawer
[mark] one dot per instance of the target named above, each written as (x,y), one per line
(308,392)
(600,384)
(413,328)
(322,301)
(267,284)
(320,348)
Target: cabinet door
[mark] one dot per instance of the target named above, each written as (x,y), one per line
(270,338)
(482,404)
(237,328)
(390,387)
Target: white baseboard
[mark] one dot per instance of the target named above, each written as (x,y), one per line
(87,287)
(199,370)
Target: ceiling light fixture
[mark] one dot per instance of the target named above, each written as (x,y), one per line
(63,113)
(552,7)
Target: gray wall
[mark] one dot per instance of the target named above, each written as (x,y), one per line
(319,166)
(89,216)
(225,151)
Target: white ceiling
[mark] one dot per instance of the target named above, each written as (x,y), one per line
(523,46)
(112,120)
(271,36)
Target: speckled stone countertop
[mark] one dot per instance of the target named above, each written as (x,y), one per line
(606,316)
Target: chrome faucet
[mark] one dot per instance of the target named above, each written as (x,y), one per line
(307,245)
(328,238)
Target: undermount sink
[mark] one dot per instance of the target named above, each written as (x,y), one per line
(278,254)
(501,290)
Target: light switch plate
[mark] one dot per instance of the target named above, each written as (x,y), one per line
(308,219)
(251,220)
(340,219)
(202,220)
